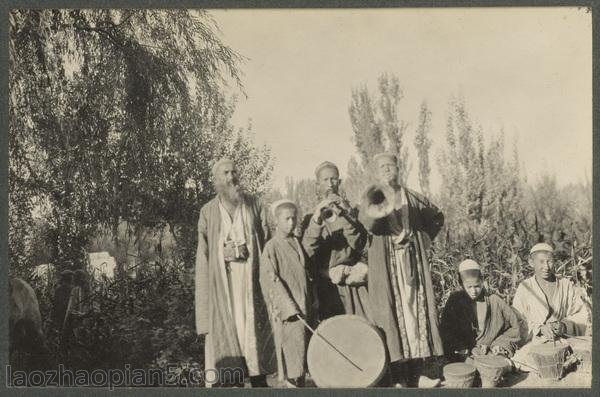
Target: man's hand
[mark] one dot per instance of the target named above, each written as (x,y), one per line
(230,254)
(547,332)
(317,212)
(499,351)
(480,350)
(292,318)
(559,328)
(358,274)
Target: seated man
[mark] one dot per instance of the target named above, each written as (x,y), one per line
(476,321)
(550,307)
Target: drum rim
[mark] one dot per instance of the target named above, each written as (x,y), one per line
(472,369)
(371,326)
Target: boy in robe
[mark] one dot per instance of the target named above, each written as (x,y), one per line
(286,285)
(476,321)
(550,306)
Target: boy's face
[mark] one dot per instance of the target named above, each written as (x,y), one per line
(473,287)
(287,220)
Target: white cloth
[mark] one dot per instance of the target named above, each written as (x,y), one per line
(408,296)
(237,282)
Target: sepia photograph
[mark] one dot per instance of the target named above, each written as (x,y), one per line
(300,198)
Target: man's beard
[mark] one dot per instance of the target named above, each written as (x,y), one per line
(230,192)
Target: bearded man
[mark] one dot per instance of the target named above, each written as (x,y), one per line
(402,302)
(336,246)
(230,309)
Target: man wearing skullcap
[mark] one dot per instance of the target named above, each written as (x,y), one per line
(230,308)
(549,306)
(336,245)
(402,301)
(286,281)
(476,321)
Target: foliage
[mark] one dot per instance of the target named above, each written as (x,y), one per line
(137,321)
(494,217)
(116,115)
(422,145)
(376,124)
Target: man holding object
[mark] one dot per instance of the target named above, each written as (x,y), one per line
(230,309)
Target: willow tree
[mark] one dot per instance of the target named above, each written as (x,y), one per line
(117,115)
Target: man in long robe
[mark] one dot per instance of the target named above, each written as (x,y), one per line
(402,301)
(230,308)
(336,249)
(550,307)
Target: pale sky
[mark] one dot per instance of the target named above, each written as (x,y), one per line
(527,69)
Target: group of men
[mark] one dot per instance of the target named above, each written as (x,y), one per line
(355,268)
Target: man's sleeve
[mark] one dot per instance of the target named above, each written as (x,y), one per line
(354,233)
(201,277)
(576,319)
(511,338)
(528,329)
(433,218)
(311,240)
(275,292)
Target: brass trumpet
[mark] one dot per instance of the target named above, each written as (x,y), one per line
(376,205)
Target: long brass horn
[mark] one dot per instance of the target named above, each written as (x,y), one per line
(377,203)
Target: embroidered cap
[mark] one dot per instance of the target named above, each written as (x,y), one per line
(541,247)
(383,155)
(468,264)
(326,164)
(279,203)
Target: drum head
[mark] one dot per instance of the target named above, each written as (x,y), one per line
(491,361)
(458,369)
(356,339)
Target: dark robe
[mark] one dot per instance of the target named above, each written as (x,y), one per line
(330,245)
(459,325)
(424,220)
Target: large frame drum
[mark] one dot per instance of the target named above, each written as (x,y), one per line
(354,357)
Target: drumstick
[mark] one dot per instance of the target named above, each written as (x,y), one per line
(525,365)
(575,337)
(329,343)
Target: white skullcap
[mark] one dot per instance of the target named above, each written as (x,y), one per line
(279,203)
(541,247)
(326,164)
(221,162)
(468,264)
(385,155)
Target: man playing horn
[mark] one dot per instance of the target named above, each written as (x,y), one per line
(550,307)
(337,243)
(402,301)
(230,309)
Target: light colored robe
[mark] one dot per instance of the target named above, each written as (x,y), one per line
(531,305)
(534,310)
(214,314)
